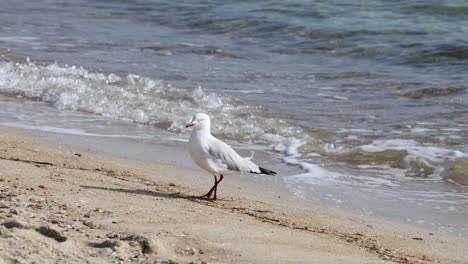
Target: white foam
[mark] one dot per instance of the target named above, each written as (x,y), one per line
(191,44)
(352,137)
(319,175)
(434,157)
(356,130)
(139,99)
(336,97)
(453,129)
(314,175)
(21,39)
(69,131)
(289,147)
(420,130)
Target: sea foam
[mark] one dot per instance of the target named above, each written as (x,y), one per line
(142,100)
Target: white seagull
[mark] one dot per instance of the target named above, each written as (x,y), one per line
(216,156)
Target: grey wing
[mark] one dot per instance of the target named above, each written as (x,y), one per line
(226,157)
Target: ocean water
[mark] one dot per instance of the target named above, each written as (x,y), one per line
(361,105)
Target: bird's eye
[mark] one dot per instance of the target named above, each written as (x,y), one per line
(201,120)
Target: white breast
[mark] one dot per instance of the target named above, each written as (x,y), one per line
(199,151)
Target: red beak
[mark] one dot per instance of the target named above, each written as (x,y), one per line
(189,125)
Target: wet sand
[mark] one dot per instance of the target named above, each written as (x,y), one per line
(64,205)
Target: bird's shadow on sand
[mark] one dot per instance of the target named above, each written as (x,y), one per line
(149,193)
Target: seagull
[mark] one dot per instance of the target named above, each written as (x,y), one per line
(215,156)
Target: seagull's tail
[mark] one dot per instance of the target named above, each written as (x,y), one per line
(256,169)
(266,171)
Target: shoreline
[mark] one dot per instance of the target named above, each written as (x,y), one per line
(149,151)
(382,191)
(59,204)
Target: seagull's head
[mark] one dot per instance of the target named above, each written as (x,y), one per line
(199,121)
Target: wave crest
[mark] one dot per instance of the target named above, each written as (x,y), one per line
(141,100)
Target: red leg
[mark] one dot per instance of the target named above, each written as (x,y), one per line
(216,186)
(208,194)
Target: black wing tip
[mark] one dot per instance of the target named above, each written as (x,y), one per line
(264,171)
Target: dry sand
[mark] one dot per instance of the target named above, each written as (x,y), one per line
(62,205)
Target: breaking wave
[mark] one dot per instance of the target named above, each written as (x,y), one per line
(139,99)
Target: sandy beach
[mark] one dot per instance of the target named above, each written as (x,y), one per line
(64,205)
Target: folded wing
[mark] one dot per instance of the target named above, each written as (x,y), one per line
(227,159)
